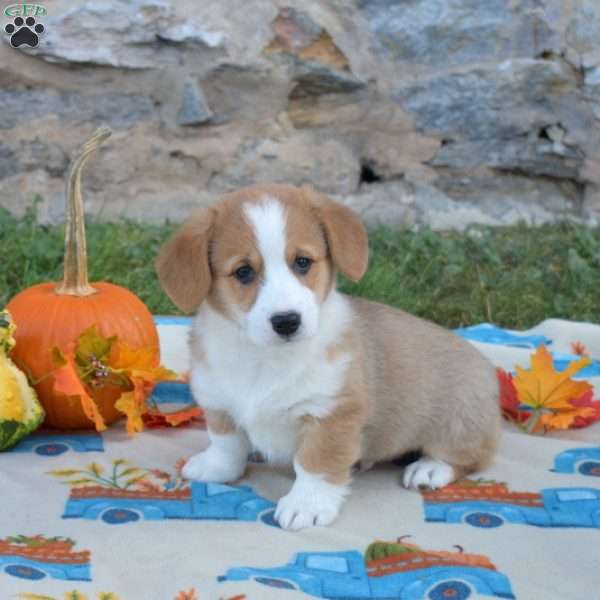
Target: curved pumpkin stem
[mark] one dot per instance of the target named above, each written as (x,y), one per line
(75,277)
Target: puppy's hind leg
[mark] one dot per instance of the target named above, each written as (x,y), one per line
(428,473)
(467,447)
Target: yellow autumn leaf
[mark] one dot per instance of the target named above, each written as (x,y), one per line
(126,358)
(133,405)
(140,362)
(542,387)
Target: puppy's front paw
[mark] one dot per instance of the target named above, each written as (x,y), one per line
(296,511)
(428,473)
(311,501)
(212,466)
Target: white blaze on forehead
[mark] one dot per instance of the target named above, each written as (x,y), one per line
(268,221)
(280,290)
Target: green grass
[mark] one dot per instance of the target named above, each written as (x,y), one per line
(514,277)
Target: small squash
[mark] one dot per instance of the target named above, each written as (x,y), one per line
(20,410)
(51,315)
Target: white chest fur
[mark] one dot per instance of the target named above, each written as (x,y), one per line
(268,389)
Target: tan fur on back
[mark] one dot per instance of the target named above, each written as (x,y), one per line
(427,390)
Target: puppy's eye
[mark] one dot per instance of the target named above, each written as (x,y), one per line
(245,274)
(302,264)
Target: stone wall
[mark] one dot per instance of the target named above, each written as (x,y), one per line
(441,112)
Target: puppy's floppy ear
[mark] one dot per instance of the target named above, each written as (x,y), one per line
(345,233)
(183,262)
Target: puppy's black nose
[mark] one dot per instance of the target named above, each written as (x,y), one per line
(286,324)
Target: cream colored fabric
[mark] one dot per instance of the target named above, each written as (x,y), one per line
(161,554)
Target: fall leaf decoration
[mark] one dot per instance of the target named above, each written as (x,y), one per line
(540,399)
(579,349)
(586,401)
(96,361)
(155,417)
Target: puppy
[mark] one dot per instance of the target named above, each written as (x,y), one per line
(285,364)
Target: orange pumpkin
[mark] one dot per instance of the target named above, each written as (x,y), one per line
(51,315)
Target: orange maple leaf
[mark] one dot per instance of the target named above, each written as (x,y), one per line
(563,418)
(142,367)
(67,382)
(542,387)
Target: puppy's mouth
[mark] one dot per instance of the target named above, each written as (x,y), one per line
(289,339)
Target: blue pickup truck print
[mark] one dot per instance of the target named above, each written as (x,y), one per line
(492,507)
(208,501)
(55,444)
(39,557)
(412,575)
(585,461)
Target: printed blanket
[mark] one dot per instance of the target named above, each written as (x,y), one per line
(105,517)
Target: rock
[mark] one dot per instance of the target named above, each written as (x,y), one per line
(592,89)
(318,65)
(439,211)
(327,164)
(458,32)
(583,33)
(30,155)
(116,110)
(528,156)
(391,204)
(442,112)
(35,154)
(313,79)
(500,101)
(298,35)
(250,102)
(295,31)
(194,109)
(125,34)
(8,161)
(495,194)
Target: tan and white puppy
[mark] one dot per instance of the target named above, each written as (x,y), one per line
(285,364)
